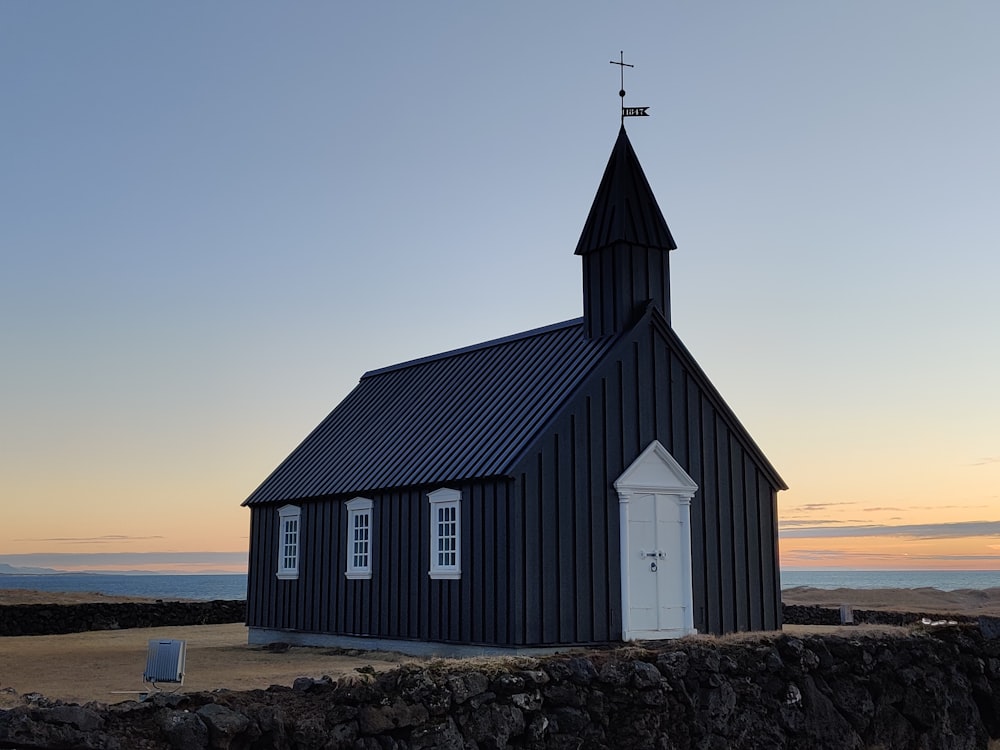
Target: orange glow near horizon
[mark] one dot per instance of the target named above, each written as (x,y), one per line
(888,553)
(904,519)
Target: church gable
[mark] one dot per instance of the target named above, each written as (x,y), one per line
(710,397)
(641,391)
(647,388)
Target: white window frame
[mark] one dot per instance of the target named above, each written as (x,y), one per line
(446,548)
(359,550)
(289,541)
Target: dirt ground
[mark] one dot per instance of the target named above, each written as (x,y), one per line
(92,666)
(82,667)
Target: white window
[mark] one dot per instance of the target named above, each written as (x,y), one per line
(288,541)
(359,538)
(446,533)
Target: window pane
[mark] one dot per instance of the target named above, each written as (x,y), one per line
(360,540)
(290,541)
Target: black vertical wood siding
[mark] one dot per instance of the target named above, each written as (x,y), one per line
(648,389)
(540,549)
(618,282)
(400,601)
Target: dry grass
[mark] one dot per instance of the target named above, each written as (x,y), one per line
(30,596)
(82,667)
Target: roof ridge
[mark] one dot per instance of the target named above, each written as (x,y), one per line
(475,347)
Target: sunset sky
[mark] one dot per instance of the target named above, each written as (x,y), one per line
(217,216)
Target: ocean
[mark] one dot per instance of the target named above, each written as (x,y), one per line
(945,580)
(160,586)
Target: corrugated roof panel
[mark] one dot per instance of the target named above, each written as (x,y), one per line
(459,415)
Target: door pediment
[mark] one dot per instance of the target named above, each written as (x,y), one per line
(655,469)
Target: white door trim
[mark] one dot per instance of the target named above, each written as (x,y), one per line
(655,471)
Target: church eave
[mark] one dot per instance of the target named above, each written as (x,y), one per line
(458,415)
(660,324)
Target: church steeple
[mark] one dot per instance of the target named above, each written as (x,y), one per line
(625,246)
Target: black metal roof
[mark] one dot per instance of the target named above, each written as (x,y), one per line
(624,209)
(463,414)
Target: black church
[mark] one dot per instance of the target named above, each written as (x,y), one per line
(582,483)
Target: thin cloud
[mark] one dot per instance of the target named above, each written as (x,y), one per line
(834,556)
(947,507)
(821,506)
(106,539)
(96,560)
(914,531)
(817,522)
(873,510)
(986,461)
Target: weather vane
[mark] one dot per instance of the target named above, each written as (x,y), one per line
(627,111)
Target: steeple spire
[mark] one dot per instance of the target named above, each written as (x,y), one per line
(625,244)
(624,209)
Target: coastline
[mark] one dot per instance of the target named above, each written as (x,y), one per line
(971,602)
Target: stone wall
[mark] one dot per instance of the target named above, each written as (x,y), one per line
(933,689)
(799,614)
(53,619)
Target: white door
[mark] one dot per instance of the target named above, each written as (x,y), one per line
(656,583)
(654,496)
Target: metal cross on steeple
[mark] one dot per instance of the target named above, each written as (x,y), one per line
(627,111)
(622,64)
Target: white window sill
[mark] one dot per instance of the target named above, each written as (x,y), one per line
(353,575)
(452,575)
(287,576)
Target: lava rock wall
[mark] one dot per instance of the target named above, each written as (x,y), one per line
(936,689)
(55,619)
(800,614)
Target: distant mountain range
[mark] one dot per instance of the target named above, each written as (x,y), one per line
(10,570)
(13,570)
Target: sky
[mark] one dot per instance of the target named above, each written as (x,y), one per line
(218,216)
